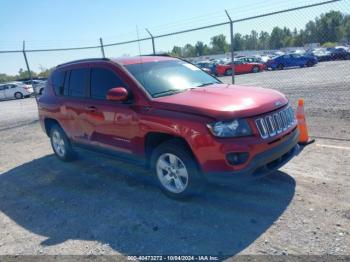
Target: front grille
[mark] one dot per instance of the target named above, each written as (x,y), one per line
(273,124)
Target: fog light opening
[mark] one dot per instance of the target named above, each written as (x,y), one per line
(237,158)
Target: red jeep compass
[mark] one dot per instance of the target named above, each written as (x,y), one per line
(184,124)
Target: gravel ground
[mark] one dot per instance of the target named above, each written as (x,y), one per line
(97,205)
(101,206)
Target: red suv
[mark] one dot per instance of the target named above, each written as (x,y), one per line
(168,114)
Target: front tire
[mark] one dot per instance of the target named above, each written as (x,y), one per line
(176,170)
(60,144)
(280,67)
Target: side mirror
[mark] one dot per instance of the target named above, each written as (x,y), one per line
(117,94)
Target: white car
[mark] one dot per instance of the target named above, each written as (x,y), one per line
(39,85)
(16,90)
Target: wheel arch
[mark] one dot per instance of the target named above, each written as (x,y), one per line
(154,139)
(48,123)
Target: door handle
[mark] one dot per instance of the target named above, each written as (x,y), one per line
(92,108)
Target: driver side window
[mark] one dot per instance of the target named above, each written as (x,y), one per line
(102,80)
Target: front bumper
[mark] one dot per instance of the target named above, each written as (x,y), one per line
(262,164)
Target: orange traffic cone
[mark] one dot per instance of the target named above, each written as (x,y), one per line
(303,133)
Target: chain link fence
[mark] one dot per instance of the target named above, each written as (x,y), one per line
(325,86)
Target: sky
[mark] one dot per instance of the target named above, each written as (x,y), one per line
(73,23)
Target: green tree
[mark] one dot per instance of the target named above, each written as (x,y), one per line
(238,42)
(252,41)
(177,51)
(219,44)
(189,51)
(328,27)
(264,38)
(199,47)
(276,38)
(23,74)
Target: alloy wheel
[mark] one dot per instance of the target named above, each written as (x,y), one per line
(172,173)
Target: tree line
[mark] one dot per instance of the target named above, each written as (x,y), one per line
(328,29)
(23,74)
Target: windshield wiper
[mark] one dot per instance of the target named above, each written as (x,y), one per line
(206,84)
(168,92)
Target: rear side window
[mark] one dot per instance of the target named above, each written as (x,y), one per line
(102,80)
(57,80)
(77,82)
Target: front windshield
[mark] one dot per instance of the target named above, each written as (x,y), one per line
(168,77)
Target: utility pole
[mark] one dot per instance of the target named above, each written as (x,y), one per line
(232,48)
(153,46)
(102,49)
(28,68)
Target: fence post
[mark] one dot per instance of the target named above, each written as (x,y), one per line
(153,46)
(102,49)
(232,48)
(28,68)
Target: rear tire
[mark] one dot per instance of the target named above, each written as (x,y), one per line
(176,170)
(18,95)
(255,69)
(280,67)
(228,72)
(309,64)
(61,144)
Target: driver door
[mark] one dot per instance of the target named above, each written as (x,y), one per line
(109,124)
(2,91)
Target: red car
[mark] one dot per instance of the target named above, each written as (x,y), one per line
(241,67)
(169,115)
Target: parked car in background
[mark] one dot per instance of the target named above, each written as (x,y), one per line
(265,58)
(38,85)
(16,90)
(206,66)
(291,60)
(251,59)
(339,53)
(322,54)
(241,67)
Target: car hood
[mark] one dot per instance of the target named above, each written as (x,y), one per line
(223,101)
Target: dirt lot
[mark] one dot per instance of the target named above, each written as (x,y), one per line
(102,206)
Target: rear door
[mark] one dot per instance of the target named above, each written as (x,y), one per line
(73,108)
(239,67)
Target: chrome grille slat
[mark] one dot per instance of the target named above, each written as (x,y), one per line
(272,124)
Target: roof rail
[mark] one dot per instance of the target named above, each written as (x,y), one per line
(84,60)
(159,54)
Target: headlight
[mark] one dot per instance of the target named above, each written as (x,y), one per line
(234,128)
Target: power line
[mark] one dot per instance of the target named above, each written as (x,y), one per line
(177,32)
